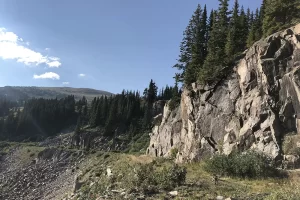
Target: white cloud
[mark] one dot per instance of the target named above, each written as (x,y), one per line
(12,47)
(54,64)
(81,75)
(47,75)
(66,83)
(47,49)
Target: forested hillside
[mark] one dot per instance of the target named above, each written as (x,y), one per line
(24,93)
(128,113)
(214,40)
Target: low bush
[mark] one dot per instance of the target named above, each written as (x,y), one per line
(290,144)
(167,178)
(173,153)
(248,164)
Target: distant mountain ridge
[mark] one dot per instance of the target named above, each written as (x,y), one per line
(26,92)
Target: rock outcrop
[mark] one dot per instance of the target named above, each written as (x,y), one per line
(253,108)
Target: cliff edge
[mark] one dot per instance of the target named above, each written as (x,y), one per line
(253,108)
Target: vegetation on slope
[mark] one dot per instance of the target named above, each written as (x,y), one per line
(210,45)
(24,93)
(134,177)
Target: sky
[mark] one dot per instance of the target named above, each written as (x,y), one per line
(102,44)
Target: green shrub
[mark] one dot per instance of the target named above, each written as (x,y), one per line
(151,176)
(248,164)
(171,177)
(290,144)
(173,153)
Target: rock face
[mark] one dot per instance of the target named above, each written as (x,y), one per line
(253,108)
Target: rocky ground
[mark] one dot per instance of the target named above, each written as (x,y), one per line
(32,172)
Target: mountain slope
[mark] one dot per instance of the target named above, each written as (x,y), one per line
(16,92)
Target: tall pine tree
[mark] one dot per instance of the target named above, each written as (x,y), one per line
(215,60)
(280,14)
(232,44)
(193,48)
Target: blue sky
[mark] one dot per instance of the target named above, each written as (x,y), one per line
(103,44)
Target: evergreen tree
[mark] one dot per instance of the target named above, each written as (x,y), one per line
(211,20)
(249,19)
(151,97)
(232,45)
(280,14)
(193,48)
(215,61)
(243,30)
(258,25)
(112,119)
(204,29)
(197,47)
(251,35)
(78,126)
(151,92)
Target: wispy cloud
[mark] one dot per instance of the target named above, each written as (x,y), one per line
(81,75)
(47,49)
(47,75)
(14,47)
(66,83)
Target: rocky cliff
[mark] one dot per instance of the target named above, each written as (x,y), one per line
(253,108)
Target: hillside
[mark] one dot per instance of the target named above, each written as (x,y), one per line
(17,92)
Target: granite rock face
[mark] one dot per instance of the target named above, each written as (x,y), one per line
(253,108)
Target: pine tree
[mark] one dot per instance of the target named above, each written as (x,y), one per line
(203,34)
(197,48)
(193,48)
(151,96)
(112,119)
(243,30)
(85,114)
(212,18)
(258,25)
(78,126)
(215,61)
(251,35)
(249,19)
(232,44)
(280,14)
